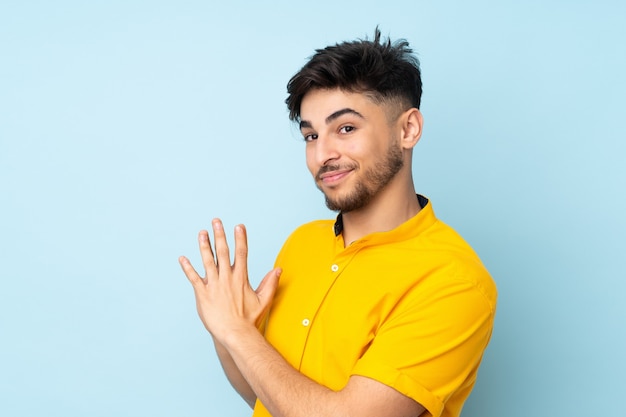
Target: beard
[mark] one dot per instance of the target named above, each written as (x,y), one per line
(366,188)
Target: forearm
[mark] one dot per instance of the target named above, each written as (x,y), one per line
(233,374)
(283,390)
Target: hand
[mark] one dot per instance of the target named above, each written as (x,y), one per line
(224,298)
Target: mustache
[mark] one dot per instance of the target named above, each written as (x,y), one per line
(330,168)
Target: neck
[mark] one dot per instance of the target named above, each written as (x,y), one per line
(392,206)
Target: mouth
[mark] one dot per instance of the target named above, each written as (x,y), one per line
(333,177)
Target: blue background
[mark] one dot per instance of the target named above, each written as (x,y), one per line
(125,126)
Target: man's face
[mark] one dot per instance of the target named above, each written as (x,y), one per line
(351,150)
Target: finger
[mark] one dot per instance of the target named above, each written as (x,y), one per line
(189,271)
(208,259)
(241,251)
(221,247)
(267,288)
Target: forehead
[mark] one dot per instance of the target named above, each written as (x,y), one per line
(318,104)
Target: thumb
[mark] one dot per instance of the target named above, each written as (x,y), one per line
(267,288)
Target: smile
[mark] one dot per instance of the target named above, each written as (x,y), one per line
(333,177)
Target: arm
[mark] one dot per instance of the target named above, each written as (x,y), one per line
(287,393)
(230,310)
(234,375)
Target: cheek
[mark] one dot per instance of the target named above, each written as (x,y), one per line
(360,151)
(354,149)
(310,160)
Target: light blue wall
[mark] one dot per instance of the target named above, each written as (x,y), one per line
(126,126)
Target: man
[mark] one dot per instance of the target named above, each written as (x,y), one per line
(385,311)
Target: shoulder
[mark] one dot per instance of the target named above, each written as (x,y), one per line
(318,233)
(431,258)
(455,263)
(317,229)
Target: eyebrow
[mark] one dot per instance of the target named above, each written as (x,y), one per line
(333,116)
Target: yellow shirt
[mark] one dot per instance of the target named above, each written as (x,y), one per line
(412,308)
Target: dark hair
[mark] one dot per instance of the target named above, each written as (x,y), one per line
(385,71)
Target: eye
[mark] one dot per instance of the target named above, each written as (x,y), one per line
(346,129)
(310,137)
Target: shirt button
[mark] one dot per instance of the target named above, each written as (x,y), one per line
(335,268)
(305,322)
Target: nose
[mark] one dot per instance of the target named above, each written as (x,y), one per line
(325,150)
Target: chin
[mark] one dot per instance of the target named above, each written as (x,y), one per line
(347,203)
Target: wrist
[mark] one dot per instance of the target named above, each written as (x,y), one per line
(237,336)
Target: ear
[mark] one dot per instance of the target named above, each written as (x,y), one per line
(412,122)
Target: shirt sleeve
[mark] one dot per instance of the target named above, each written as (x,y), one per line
(430,346)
